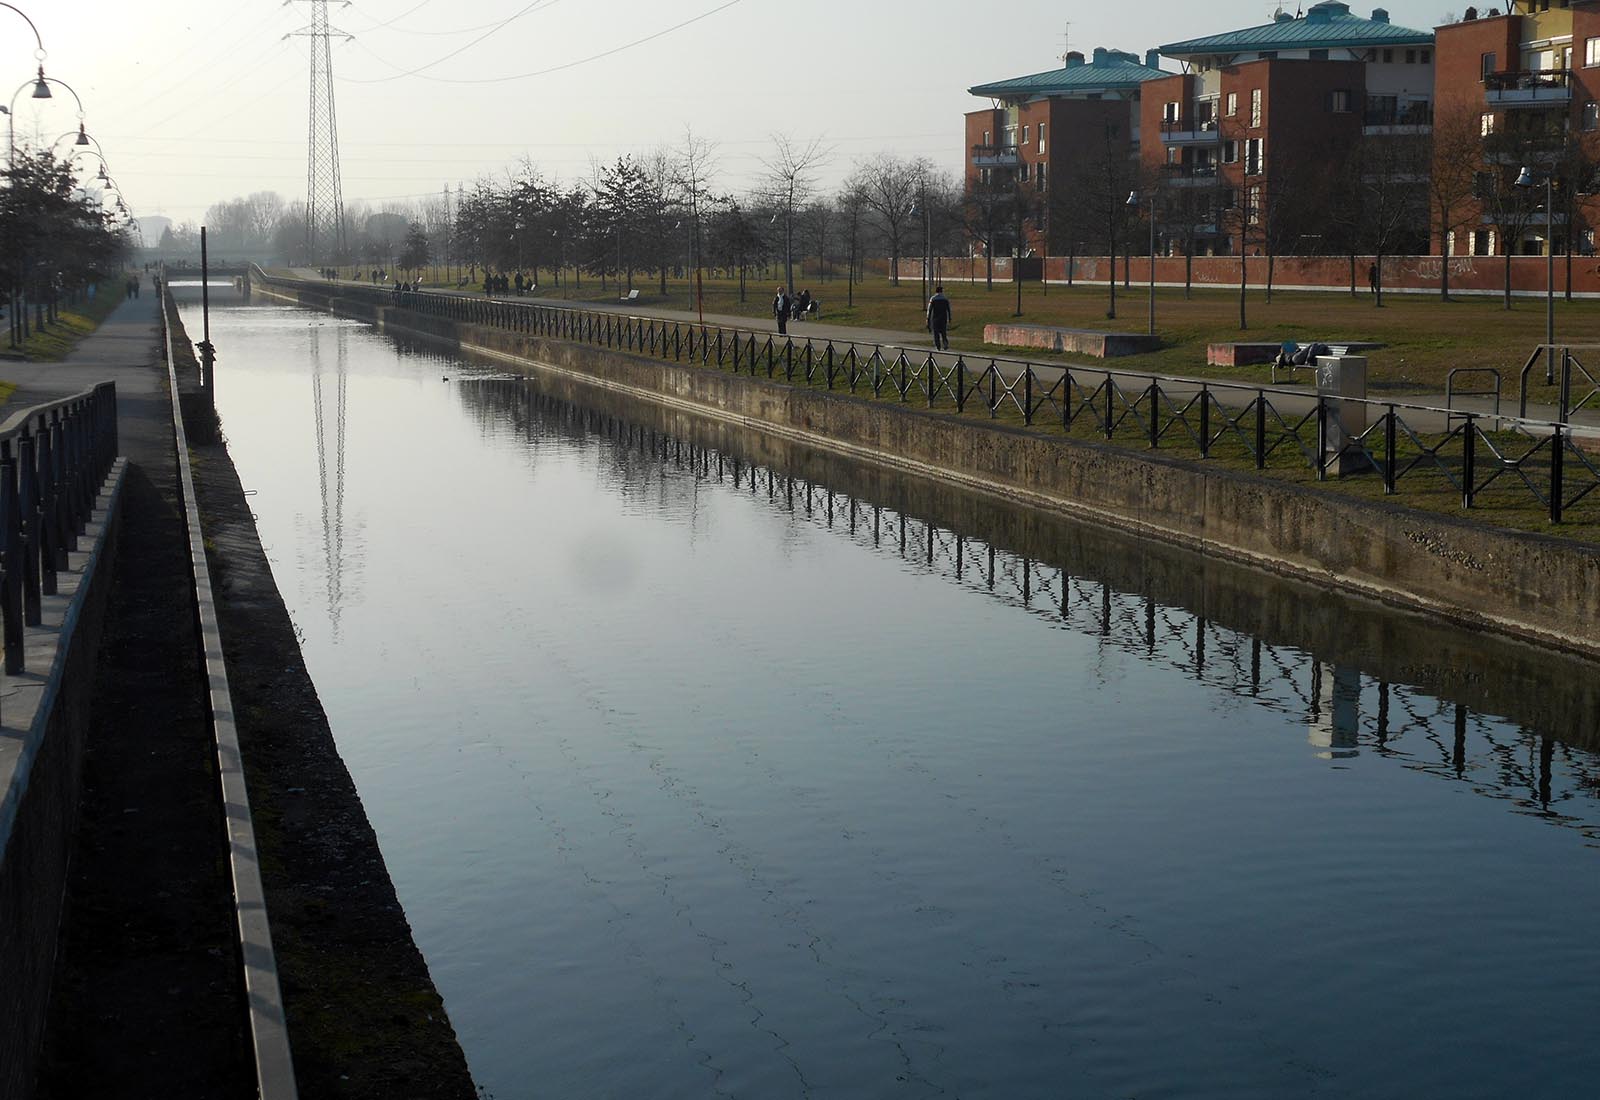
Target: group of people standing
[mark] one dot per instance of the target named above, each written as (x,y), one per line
(796,306)
(133,285)
(502,284)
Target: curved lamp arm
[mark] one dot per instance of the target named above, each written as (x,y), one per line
(39,53)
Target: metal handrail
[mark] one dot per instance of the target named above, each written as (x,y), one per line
(54,457)
(1451,393)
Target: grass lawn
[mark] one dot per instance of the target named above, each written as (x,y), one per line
(75,322)
(1425,338)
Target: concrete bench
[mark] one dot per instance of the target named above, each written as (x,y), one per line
(1099,345)
(1253,353)
(631,296)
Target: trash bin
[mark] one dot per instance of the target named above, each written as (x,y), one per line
(1343,376)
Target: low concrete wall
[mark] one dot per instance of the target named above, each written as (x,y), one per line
(1535,587)
(44,719)
(1100,345)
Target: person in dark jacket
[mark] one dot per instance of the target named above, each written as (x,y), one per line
(939,315)
(781,306)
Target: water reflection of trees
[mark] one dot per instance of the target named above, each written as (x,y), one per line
(1510,722)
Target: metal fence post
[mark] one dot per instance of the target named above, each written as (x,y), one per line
(1205,421)
(1469,455)
(28,522)
(1322,438)
(961,384)
(1557,455)
(1027,396)
(1154,393)
(1389,458)
(11,581)
(1261,429)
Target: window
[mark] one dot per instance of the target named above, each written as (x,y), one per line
(986,138)
(1591,115)
(1041,139)
(1411,57)
(1319,55)
(1022,172)
(1486,65)
(1591,51)
(1388,57)
(1024,133)
(1486,125)
(1253,210)
(1425,57)
(1230,152)
(1252,157)
(1339,102)
(1268,55)
(1169,112)
(1255,106)
(1039,175)
(1233,104)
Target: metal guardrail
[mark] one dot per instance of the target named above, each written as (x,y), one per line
(1471,452)
(1572,371)
(269,1029)
(1451,392)
(54,458)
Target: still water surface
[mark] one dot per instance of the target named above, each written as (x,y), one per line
(763,786)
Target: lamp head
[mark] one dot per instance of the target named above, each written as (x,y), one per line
(1524,178)
(102,176)
(1133,198)
(83,136)
(41,90)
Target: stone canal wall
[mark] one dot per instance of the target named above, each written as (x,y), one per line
(45,712)
(1536,587)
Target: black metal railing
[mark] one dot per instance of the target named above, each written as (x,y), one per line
(54,458)
(1462,454)
(1513,80)
(1190,125)
(1401,114)
(1407,722)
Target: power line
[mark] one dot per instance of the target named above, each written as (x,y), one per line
(542,72)
(535,5)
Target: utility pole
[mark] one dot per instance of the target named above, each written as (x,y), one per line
(325,230)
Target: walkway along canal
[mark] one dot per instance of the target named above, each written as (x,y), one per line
(707,762)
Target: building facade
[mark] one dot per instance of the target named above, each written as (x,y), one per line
(1246,143)
(1519,98)
(1043,131)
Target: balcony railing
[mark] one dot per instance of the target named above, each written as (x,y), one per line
(1403,114)
(1190,175)
(1528,87)
(1179,130)
(995,156)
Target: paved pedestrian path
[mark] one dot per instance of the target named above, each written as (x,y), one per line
(146,998)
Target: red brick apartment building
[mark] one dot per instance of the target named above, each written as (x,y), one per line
(1042,126)
(1518,89)
(1244,143)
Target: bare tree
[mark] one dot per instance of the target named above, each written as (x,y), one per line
(695,169)
(889,187)
(1457,156)
(791,180)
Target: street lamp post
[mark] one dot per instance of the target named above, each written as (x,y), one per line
(1526,178)
(41,90)
(1133,201)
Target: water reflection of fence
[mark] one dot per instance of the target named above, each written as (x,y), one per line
(1344,711)
(1478,459)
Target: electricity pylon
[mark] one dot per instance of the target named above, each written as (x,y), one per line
(325,236)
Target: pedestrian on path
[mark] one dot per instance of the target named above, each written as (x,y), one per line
(939,315)
(780,308)
(1372,279)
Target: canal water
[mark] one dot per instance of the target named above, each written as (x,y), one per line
(707,765)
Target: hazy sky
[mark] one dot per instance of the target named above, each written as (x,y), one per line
(200,100)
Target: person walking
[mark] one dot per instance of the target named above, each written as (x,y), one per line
(780,308)
(939,315)
(1372,279)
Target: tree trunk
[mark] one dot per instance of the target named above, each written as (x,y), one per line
(1244,283)
(1188,271)
(1271,264)
(1377,294)
(1507,290)
(988,275)
(1444,266)
(1111,314)
(1352,275)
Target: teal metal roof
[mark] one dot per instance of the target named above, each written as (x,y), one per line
(1110,71)
(1324,26)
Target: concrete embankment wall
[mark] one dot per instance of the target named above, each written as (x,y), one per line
(44,720)
(1535,587)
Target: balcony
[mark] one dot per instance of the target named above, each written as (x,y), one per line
(995,156)
(1528,88)
(1190,131)
(1403,118)
(1190,175)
